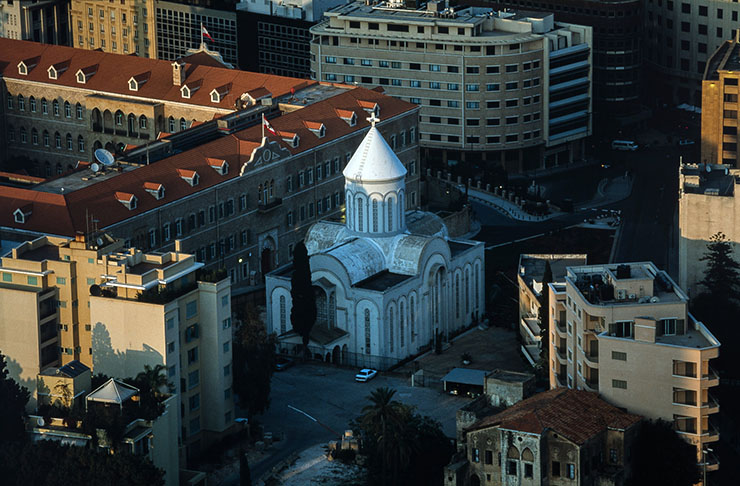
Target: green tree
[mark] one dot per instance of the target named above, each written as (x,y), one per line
(13,400)
(62,389)
(254,363)
(722,276)
(303,312)
(50,463)
(150,383)
(379,420)
(662,457)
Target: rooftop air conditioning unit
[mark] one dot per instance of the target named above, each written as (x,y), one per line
(633,296)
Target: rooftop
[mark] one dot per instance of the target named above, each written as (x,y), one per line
(709,179)
(382,281)
(563,411)
(532,266)
(725,58)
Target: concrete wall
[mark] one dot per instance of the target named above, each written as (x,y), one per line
(164,447)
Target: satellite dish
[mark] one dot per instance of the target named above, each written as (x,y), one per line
(709,168)
(40,421)
(104,157)
(99,241)
(95,290)
(95,167)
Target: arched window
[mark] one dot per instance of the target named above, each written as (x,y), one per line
(32,103)
(57,140)
(11,133)
(476,279)
(119,118)
(367,331)
(34,136)
(265,192)
(67,109)
(55,107)
(457,295)
(142,122)
(259,193)
(80,143)
(171,124)
(401,323)
(332,310)
(59,168)
(272,189)
(412,318)
(359,214)
(282,315)
(131,123)
(390,214)
(46,138)
(467,291)
(183,124)
(78,110)
(44,106)
(69,142)
(21,102)
(375,216)
(24,135)
(390,328)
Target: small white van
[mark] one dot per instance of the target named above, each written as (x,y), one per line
(624,145)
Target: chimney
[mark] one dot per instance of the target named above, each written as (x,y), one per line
(178,246)
(80,237)
(178,73)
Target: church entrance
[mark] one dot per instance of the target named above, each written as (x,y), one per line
(335,356)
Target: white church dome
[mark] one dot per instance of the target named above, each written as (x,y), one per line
(374,161)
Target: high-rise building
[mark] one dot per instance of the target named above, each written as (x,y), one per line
(45,21)
(118,311)
(278,35)
(496,89)
(719,106)
(183,26)
(625,332)
(681,36)
(118,27)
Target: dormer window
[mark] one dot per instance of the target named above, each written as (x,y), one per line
(53,74)
(317,128)
(22,69)
(220,166)
(22,214)
(127,199)
(83,75)
(218,94)
(349,116)
(155,189)
(189,176)
(57,69)
(291,138)
(136,82)
(133,85)
(370,107)
(185,92)
(190,88)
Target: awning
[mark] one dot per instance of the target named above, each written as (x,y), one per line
(466,376)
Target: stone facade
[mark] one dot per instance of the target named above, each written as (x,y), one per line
(121,28)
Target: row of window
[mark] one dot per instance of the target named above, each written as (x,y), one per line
(42,105)
(489,139)
(489,50)
(321,206)
(490,122)
(436,68)
(45,138)
(476,105)
(436,85)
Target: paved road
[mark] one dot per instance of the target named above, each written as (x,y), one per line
(331,395)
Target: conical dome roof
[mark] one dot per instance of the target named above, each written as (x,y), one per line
(374,160)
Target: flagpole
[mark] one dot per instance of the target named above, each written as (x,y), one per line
(263,126)
(202,41)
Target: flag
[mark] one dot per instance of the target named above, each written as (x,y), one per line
(267,126)
(205,33)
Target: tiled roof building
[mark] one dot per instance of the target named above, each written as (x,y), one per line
(61,103)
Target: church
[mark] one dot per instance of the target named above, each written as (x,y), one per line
(388,282)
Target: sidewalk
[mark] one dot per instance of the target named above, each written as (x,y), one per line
(505,207)
(610,191)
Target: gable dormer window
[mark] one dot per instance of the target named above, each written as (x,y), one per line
(219,165)
(291,138)
(128,200)
(55,70)
(52,73)
(21,214)
(349,116)
(22,68)
(136,82)
(370,107)
(189,176)
(155,189)
(133,85)
(215,97)
(218,94)
(185,92)
(81,77)
(317,128)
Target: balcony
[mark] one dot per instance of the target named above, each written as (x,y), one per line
(710,435)
(710,379)
(270,205)
(561,380)
(560,353)
(711,462)
(592,359)
(710,406)
(560,328)
(591,385)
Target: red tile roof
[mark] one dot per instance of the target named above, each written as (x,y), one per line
(111,72)
(64,214)
(152,186)
(575,414)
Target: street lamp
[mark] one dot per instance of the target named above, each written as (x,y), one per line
(704,463)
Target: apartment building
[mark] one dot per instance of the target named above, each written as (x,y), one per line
(117,311)
(719,106)
(532,270)
(278,33)
(681,36)
(708,203)
(498,89)
(178,29)
(548,439)
(617,52)
(234,194)
(624,331)
(38,21)
(125,27)
(61,104)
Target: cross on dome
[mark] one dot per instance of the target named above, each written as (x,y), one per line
(372,119)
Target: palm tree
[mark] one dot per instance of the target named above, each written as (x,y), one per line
(382,420)
(154,378)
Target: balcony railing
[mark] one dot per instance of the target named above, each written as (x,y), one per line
(272,204)
(560,325)
(592,358)
(711,405)
(592,385)
(561,353)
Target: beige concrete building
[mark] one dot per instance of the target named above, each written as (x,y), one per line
(547,439)
(117,312)
(625,332)
(719,106)
(708,203)
(117,27)
(530,279)
(504,89)
(39,21)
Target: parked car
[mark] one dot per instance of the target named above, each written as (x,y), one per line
(283,363)
(686,141)
(627,145)
(366,374)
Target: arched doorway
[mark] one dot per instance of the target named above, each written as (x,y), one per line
(267,256)
(345,354)
(335,356)
(474,480)
(327,358)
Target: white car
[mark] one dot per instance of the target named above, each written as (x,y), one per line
(686,141)
(366,374)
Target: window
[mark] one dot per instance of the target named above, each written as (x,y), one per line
(476,455)
(555,469)
(613,456)
(227,370)
(453,86)
(67,110)
(619,356)
(191,309)
(570,471)
(669,327)
(511,467)
(528,470)
(621,329)
(193,379)
(227,323)
(489,457)
(366,62)
(193,355)
(472,87)
(511,85)
(619,384)
(492,87)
